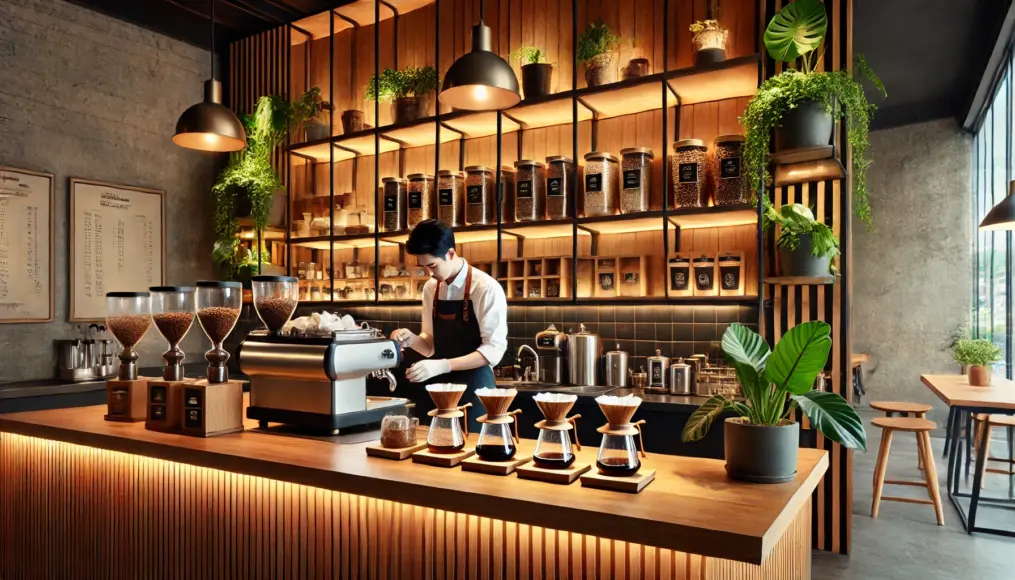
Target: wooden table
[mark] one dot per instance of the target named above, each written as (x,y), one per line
(964,401)
(260,501)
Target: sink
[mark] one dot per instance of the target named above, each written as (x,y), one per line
(529,386)
(597,390)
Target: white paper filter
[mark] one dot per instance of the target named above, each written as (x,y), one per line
(555,398)
(494,392)
(625,401)
(445,388)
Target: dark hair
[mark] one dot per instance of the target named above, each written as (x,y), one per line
(430,237)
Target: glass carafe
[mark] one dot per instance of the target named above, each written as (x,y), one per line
(553,449)
(496,442)
(618,455)
(445,435)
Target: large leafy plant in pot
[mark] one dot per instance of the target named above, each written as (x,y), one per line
(761,442)
(807,247)
(801,105)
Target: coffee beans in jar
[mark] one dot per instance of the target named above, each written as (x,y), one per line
(507,196)
(731,186)
(689,167)
(480,195)
(451,197)
(421,199)
(530,190)
(601,177)
(560,186)
(394,204)
(636,179)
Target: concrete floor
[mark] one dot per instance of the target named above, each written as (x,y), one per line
(905,541)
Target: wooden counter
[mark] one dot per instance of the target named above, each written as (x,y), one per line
(692,508)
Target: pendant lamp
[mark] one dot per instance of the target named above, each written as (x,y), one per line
(208,125)
(480,80)
(1002,215)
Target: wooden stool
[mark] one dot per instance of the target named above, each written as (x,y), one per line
(922,428)
(992,421)
(905,409)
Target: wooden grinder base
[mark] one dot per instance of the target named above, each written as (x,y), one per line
(630,484)
(495,467)
(442,459)
(396,454)
(165,405)
(127,401)
(561,476)
(211,409)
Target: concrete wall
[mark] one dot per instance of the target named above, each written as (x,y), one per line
(911,275)
(84,95)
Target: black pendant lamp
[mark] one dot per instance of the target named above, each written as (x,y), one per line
(480,80)
(208,125)
(1002,215)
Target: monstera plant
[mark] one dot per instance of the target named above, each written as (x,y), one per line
(761,441)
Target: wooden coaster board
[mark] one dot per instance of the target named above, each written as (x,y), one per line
(631,484)
(396,454)
(561,476)
(495,467)
(442,459)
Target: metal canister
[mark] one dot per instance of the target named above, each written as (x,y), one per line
(583,351)
(680,378)
(657,367)
(697,362)
(615,363)
(552,345)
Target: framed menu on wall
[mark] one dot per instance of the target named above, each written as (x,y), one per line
(26,246)
(117,243)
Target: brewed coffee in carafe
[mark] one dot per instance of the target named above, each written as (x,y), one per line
(446,434)
(496,440)
(553,447)
(618,453)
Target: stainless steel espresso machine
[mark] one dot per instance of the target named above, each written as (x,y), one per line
(318,383)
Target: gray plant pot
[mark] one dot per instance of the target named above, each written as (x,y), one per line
(761,453)
(804,127)
(316,130)
(800,262)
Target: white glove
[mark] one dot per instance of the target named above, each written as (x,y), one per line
(428,369)
(403,336)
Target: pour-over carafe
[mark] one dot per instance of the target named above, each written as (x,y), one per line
(496,441)
(446,434)
(618,454)
(553,447)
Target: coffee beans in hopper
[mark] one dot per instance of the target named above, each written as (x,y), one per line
(173,325)
(129,329)
(275,312)
(218,321)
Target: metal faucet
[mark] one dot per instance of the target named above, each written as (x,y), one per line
(385,374)
(518,358)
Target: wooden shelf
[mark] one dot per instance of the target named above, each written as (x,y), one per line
(649,221)
(714,216)
(799,280)
(730,79)
(627,97)
(807,171)
(552,110)
(542,229)
(463,235)
(473,125)
(359,11)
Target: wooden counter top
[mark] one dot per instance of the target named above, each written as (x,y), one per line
(692,506)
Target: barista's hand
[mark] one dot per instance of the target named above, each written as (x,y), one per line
(428,369)
(404,337)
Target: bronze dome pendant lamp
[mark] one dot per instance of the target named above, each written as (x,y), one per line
(208,125)
(480,80)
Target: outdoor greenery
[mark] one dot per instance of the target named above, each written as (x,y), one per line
(796,220)
(776,382)
(976,351)
(408,82)
(595,41)
(794,36)
(528,55)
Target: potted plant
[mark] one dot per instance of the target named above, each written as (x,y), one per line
(409,90)
(597,48)
(977,354)
(800,106)
(536,72)
(708,40)
(761,441)
(806,246)
(304,115)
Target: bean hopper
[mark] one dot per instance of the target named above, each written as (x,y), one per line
(128,318)
(218,309)
(618,454)
(446,434)
(173,311)
(496,441)
(553,448)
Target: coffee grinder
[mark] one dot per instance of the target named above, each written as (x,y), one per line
(552,347)
(128,318)
(173,311)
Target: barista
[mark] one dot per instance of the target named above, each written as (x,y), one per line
(464,321)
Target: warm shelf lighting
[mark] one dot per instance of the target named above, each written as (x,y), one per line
(480,80)
(1002,215)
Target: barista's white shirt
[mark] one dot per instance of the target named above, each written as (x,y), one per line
(488,302)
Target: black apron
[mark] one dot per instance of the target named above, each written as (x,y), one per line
(456,333)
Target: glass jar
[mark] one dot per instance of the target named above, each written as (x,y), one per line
(553,449)
(559,187)
(218,309)
(731,187)
(451,197)
(601,177)
(636,179)
(496,442)
(128,318)
(618,455)
(275,300)
(688,167)
(480,195)
(394,204)
(507,198)
(530,190)
(173,311)
(421,202)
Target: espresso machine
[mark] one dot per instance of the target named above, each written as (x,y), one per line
(318,383)
(552,347)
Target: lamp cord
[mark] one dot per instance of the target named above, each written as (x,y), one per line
(212,39)
(482,10)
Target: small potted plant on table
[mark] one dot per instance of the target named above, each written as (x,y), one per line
(976,355)
(536,72)
(409,90)
(806,246)
(761,442)
(597,48)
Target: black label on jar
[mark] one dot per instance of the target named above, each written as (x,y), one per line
(474,194)
(657,373)
(524,189)
(593,182)
(547,341)
(391,202)
(729,168)
(555,186)
(730,277)
(632,179)
(688,173)
(679,278)
(415,200)
(704,277)
(444,196)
